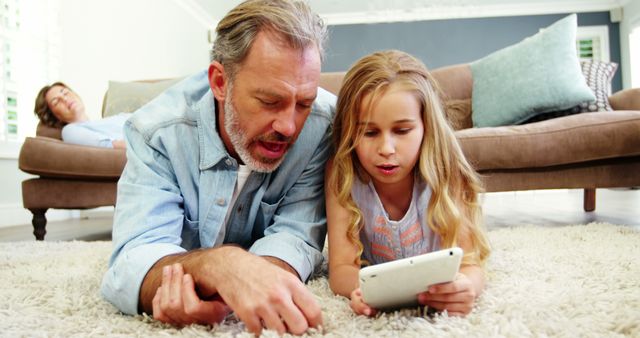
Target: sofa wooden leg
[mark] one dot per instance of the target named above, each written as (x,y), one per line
(39,222)
(589,199)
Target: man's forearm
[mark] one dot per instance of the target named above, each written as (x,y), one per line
(194,262)
(284,265)
(152,281)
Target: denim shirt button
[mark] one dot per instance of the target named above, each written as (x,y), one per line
(221,201)
(228,162)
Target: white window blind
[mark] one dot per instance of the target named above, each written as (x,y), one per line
(29,59)
(634,53)
(592,43)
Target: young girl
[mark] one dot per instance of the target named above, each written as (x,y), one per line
(398,184)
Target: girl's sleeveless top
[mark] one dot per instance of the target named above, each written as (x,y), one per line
(386,240)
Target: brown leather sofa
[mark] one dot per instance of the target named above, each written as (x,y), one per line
(584,151)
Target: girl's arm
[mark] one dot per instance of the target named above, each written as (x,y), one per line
(343,270)
(476,276)
(474,272)
(459,296)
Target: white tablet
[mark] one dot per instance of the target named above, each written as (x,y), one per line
(397,284)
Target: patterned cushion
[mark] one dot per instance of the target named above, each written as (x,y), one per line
(598,75)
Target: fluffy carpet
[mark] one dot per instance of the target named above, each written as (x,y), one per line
(573,281)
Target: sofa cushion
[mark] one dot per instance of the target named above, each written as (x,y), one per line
(571,139)
(459,113)
(127,97)
(537,75)
(53,158)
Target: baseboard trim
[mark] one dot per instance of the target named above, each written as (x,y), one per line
(97,212)
(15,214)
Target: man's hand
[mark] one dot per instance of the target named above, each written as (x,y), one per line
(118,144)
(177,303)
(264,295)
(359,306)
(457,297)
(262,292)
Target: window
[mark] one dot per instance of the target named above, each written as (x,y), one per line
(29,59)
(9,25)
(592,43)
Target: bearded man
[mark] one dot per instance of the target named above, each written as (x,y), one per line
(221,204)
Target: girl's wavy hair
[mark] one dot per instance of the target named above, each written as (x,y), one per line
(453,210)
(42,110)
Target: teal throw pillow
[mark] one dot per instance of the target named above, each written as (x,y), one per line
(539,74)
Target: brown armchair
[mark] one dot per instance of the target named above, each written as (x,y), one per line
(70,176)
(73,176)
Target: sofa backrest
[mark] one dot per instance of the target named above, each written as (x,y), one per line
(627,99)
(455,81)
(332,81)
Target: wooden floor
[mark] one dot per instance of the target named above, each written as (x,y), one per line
(540,207)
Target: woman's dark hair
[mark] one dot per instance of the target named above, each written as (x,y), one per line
(42,110)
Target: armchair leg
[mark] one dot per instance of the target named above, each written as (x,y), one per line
(39,222)
(589,199)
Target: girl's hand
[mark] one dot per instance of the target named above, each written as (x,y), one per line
(359,306)
(457,297)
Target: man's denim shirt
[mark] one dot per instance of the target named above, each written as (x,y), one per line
(175,190)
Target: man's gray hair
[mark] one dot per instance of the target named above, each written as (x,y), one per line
(292,20)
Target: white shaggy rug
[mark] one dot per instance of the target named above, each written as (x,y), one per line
(574,281)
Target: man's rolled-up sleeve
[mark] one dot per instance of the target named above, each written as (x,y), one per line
(147,223)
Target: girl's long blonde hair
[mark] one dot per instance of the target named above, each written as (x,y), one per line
(453,210)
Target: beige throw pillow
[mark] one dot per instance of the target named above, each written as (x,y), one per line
(127,97)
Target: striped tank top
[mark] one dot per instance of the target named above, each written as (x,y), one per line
(387,240)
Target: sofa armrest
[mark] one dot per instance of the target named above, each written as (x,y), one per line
(49,157)
(627,99)
(51,132)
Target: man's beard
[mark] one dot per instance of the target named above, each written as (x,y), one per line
(241,142)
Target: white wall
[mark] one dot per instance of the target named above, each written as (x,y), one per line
(120,40)
(630,16)
(127,40)
(11,210)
